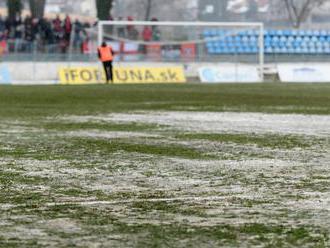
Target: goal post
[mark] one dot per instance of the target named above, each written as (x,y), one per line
(239,43)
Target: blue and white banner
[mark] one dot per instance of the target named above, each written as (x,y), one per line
(304,73)
(5,77)
(229,74)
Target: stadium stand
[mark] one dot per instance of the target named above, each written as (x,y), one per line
(275,41)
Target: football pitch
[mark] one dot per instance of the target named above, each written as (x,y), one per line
(165,165)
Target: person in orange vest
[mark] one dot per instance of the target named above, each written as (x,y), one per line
(105,53)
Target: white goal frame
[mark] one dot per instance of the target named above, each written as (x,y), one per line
(256,25)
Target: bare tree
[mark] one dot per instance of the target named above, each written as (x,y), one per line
(103,9)
(14,8)
(37,8)
(148,5)
(165,10)
(300,10)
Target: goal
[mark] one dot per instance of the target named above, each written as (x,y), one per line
(232,44)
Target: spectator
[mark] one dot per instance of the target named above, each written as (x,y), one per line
(155,30)
(147,36)
(57,28)
(18,33)
(46,34)
(78,34)
(67,28)
(28,34)
(2,24)
(121,29)
(132,33)
(147,33)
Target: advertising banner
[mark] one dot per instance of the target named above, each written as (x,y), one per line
(188,51)
(229,74)
(81,75)
(304,73)
(123,75)
(5,77)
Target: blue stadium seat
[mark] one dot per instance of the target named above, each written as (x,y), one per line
(250,33)
(283,38)
(240,50)
(311,44)
(247,50)
(305,50)
(269,49)
(207,33)
(318,44)
(322,39)
(272,32)
(220,33)
(267,37)
(304,44)
(319,50)
(291,38)
(287,32)
(312,50)
(323,33)
(209,44)
(275,41)
(219,50)
(306,39)
(314,38)
(326,50)
(301,33)
(253,39)
(289,43)
(279,32)
(245,39)
(309,32)
(211,50)
(238,38)
(294,32)
(283,50)
(213,32)
(291,50)
(225,50)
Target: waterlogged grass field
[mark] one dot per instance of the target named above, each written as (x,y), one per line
(165,166)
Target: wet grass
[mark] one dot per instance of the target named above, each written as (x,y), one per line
(138,214)
(101,148)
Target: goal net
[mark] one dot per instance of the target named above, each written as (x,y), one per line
(239,47)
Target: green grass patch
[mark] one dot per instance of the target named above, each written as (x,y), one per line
(105,147)
(175,207)
(25,102)
(105,126)
(266,140)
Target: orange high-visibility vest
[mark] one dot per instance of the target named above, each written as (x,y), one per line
(106,53)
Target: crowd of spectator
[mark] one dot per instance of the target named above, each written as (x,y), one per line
(49,35)
(130,32)
(27,34)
